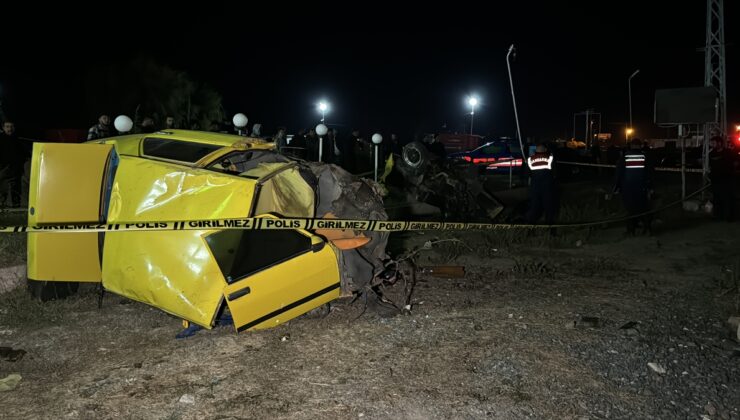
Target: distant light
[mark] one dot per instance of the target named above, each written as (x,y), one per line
(473,101)
(377,138)
(629,131)
(737,128)
(323,106)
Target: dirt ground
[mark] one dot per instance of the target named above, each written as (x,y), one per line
(540,327)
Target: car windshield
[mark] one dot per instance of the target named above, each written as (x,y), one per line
(183,151)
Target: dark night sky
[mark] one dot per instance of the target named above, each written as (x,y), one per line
(387,70)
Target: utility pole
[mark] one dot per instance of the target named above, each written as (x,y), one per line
(714,64)
(714,76)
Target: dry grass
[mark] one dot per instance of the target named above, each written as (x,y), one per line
(12,249)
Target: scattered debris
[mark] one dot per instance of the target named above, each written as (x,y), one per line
(286,337)
(189,331)
(445,271)
(588,322)
(629,325)
(9,382)
(629,328)
(11,355)
(656,368)
(187,399)
(710,409)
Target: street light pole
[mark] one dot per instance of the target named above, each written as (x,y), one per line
(629,88)
(513,101)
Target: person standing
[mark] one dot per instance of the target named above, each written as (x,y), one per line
(100,130)
(543,194)
(634,182)
(722,177)
(13,155)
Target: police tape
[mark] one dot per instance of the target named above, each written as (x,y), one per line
(657,169)
(270,223)
(262,223)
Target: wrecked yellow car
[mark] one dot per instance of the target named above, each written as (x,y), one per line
(263,277)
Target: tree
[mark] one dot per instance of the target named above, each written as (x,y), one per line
(145,88)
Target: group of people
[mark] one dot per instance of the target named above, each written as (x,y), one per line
(103,129)
(633,181)
(353,152)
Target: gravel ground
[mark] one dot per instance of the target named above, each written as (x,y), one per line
(538,328)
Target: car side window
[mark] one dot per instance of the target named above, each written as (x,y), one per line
(240,253)
(492,149)
(238,162)
(181,151)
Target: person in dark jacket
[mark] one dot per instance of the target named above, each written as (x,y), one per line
(13,155)
(722,177)
(543,195)
(634,182)
(349,150)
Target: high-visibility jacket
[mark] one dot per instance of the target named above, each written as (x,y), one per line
(541,169)
(540,162)
(634,172)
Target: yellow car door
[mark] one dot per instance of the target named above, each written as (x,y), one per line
(171,270)
(69,184)
(274,275)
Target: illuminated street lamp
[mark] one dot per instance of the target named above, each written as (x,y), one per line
(628,132)
(240,122)
(123,124)
(323,107)
(472,101)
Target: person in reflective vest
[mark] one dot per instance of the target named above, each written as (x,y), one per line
(543,196)
(634,182)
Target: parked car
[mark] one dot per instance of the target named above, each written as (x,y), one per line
(264,277)
(493,156)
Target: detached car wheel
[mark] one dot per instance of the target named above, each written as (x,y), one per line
(51,290)
(415,156)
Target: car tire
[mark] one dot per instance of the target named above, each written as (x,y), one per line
(51,290)
(416,156)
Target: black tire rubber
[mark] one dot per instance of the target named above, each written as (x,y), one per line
(52,290)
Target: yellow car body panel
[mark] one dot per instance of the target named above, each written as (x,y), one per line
(171,270)
(66,187)
(68,180)
(63,257)
(148,190)
(280,292)
(282,191)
